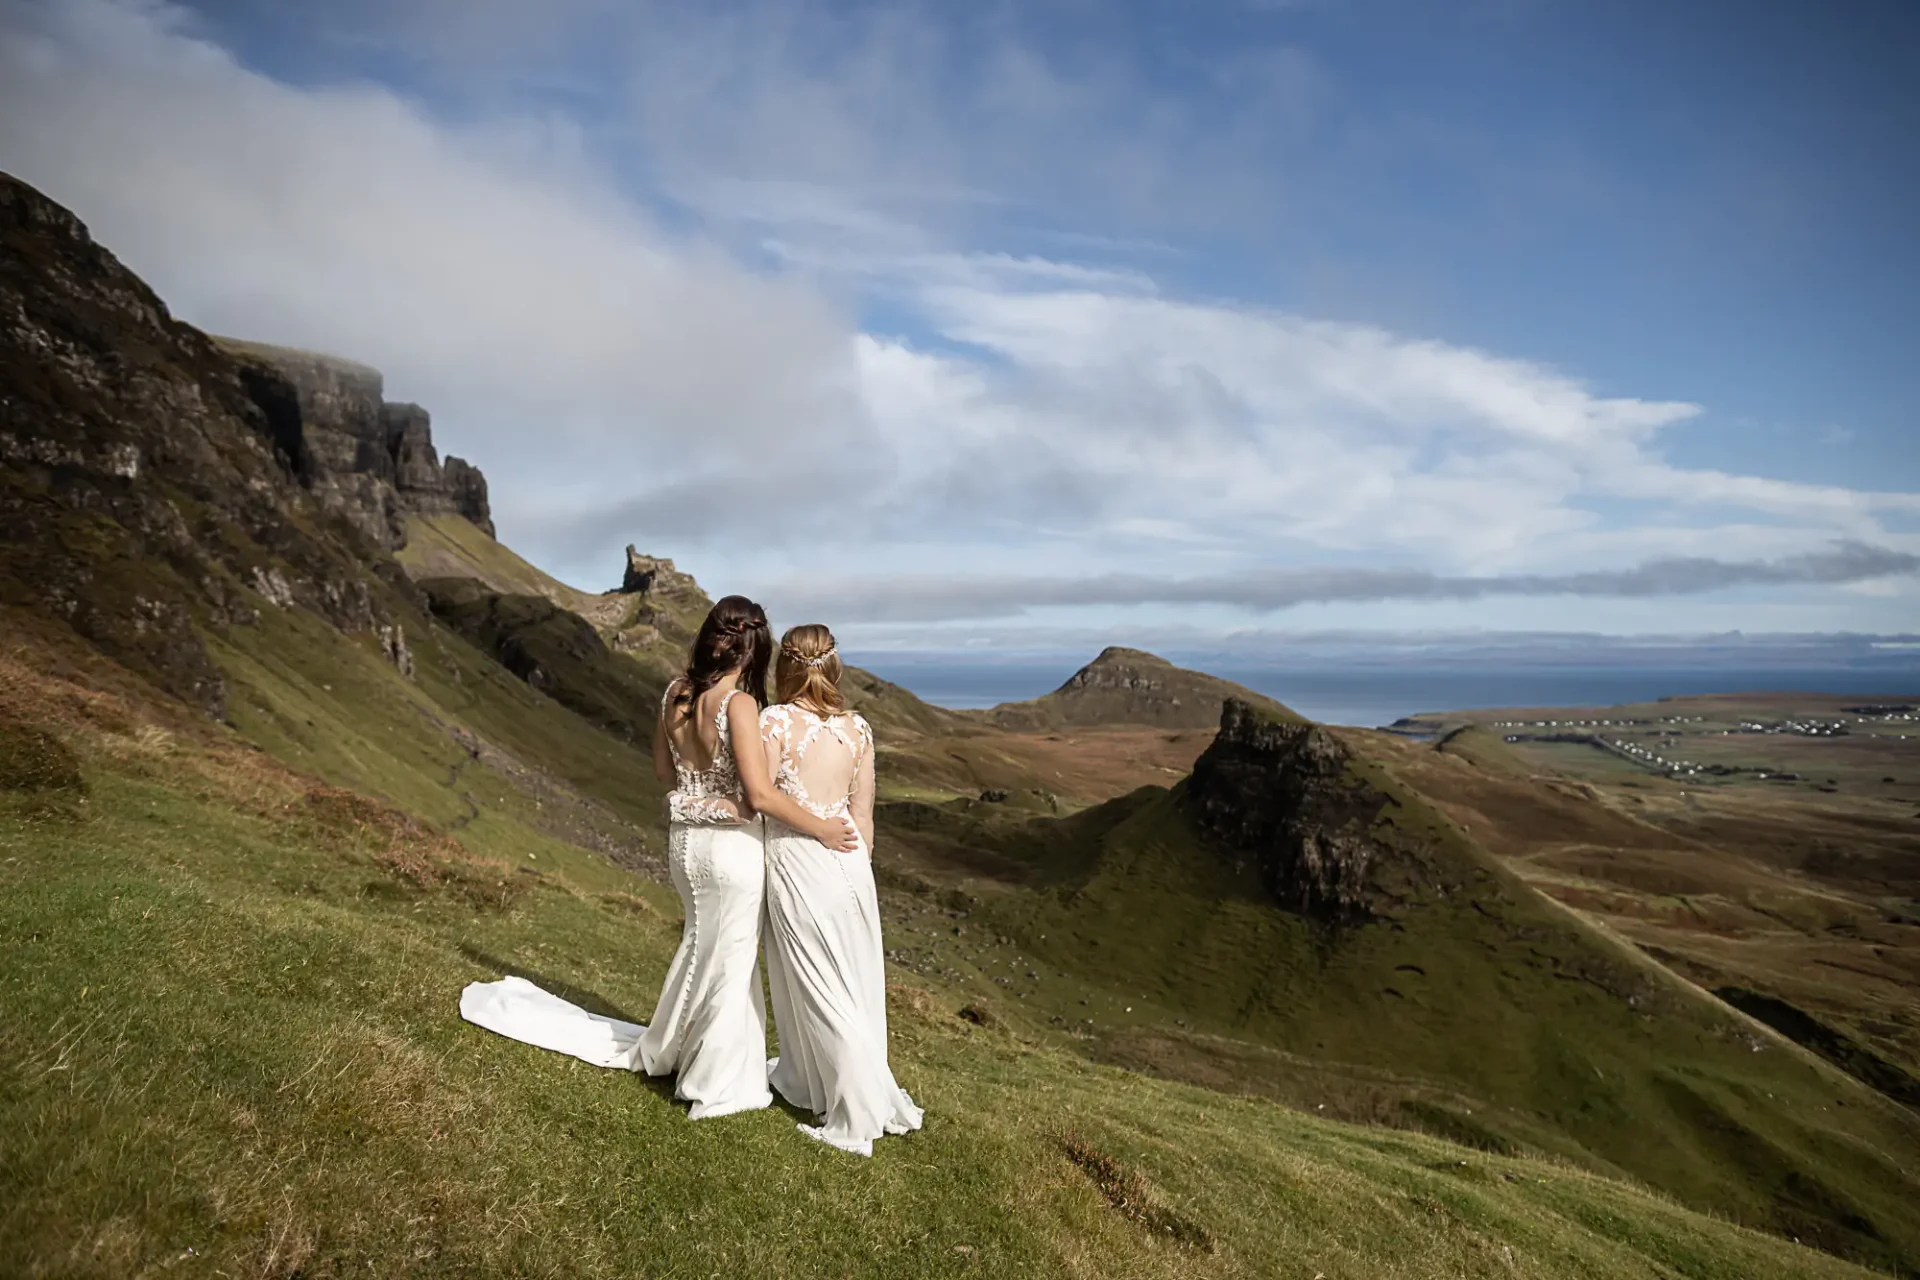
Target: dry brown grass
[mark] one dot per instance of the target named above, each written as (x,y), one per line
(1081,766)
(406,848)
(63,710)
(1127,1191)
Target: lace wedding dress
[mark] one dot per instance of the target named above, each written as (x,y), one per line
(710,1022)
(825,965)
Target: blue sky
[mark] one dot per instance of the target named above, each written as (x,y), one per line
(962,324)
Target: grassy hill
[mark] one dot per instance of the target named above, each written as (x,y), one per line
(231,1049)
(1456,999)
(1785,881)
(267,802)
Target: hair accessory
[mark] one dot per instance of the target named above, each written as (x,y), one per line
(818,660)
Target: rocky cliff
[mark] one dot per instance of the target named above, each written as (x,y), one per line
(1283,796)
(368,460)
(150,485)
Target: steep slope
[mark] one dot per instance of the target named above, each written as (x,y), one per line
(1127,686)
(145,494)
(445,547)
(556,652)
(650,618)
(1294,894)
(1793,904)
(209,523)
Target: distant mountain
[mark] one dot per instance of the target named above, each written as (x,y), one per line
(1131,687)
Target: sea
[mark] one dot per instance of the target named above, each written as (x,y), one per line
(1379,694)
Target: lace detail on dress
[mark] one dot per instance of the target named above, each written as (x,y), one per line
(780,721)
(711,795)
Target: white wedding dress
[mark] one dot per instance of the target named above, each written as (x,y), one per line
(710,1024)
(825,965)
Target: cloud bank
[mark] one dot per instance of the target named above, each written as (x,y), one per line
(749,308)
(1271,590)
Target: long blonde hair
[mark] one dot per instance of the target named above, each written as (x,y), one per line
(808,668)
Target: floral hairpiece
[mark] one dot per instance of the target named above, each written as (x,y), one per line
(818,660)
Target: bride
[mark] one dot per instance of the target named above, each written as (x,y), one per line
(709,1024)
(825,965)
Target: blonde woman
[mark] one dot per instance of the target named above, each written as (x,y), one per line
(825,966)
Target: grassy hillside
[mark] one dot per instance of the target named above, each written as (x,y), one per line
(651,632)
(262,813)
(1472,1007)
(451,547)
(231,1048)
(1756,879)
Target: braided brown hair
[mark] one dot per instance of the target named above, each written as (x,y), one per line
(734,637)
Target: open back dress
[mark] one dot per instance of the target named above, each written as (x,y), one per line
(826,968)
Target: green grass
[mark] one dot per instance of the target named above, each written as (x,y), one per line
(558,652)
(232,1047)
(326,704)
(1493,1014)
(232,1050)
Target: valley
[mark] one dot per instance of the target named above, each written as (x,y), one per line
(292,747)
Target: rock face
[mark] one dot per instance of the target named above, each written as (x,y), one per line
(368,460)
(150,486)
(1283,796)
(667,605)
(653,575)
(468,490)
(1129,670)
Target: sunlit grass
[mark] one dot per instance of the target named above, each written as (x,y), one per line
(232,1048)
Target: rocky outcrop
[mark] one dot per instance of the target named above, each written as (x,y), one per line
(1283,796)
(150,486)
(467,489)
(655,576)
(370,461)
(666,609)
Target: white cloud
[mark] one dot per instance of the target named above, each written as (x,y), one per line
(623,375)
(561,337)
(1208,422)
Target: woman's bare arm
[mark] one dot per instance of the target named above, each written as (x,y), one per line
(662,752)
(756,779)
(863,795)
